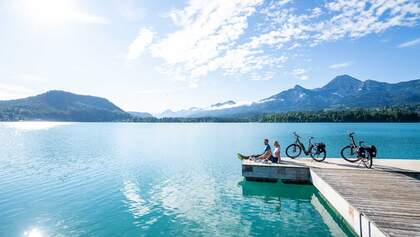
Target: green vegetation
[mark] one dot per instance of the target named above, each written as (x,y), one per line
(62,106)
(383,114)
(386,114)
(65,106)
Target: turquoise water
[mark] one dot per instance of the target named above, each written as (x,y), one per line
(122,179)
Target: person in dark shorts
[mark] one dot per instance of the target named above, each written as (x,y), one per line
(275,157)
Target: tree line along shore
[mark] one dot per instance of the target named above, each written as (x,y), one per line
(384,114)
(407,114)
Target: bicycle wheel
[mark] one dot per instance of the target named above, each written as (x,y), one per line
(293,151)
(349,153)
(318,155)
(367,160)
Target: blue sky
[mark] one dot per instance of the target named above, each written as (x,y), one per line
(157,55)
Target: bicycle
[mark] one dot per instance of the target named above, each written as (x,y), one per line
(317,151)
(353,153)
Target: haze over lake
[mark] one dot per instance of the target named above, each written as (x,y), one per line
(125,179)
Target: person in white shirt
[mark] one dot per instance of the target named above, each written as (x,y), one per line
(275,158)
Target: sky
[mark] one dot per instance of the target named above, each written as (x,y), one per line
(157,55)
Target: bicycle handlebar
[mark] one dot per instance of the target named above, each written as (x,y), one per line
(351,134)
(294,133)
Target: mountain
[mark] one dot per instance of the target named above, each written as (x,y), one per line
(140,114)
(343,92)
(62,106)
(191,112)
(180,113)
(223,104)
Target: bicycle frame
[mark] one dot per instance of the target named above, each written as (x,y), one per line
(301,145)
(353,142)
(363,153)
(354,146)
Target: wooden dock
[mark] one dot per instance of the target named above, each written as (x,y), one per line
(384,201)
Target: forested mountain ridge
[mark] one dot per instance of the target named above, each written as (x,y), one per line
(342,93)
(62,106)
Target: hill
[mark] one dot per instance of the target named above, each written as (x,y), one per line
(62,106)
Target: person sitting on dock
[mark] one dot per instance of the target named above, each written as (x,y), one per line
(266,155)
(275,158)
(267,152)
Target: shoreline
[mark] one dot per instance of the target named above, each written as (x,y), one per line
(245,122)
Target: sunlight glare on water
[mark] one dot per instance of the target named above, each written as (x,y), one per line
(33,233)
(33,125)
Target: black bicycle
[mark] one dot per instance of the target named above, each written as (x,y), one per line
(353,152)
(315,150)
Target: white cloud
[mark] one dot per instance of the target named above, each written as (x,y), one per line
(357,18)
(208,31)
(338,19)
(262,76)
(300,73)
(217,35)
(136,48)
(340,65)
(410,43)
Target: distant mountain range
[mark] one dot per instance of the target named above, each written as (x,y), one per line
(343,92)
(141,114)
(191,112)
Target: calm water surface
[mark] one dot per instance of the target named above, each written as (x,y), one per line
(122,179)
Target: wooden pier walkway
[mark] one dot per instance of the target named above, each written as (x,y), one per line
(390,201)
(384,201)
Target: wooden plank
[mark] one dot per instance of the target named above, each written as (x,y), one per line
(387,196)
(390,200)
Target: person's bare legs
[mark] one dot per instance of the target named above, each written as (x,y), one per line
(264,156)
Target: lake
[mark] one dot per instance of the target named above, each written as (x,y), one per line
(136,179)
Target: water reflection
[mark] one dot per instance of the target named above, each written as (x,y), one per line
(283,199)
(188,198)
(327,216)
(136,204)
(276,190)
(294,206)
